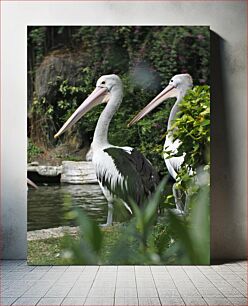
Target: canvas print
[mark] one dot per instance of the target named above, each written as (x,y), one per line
(118,145)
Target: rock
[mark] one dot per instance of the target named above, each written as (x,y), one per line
(69,172)
(78,173)
(62,64)
(45,170)
(44,174)
(34,163)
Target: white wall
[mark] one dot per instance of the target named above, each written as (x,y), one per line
(229,103)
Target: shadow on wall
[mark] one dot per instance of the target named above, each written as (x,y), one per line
(222,203)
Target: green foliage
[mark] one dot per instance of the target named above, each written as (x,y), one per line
(33,151)
(37,38)
(147,238)
(192,127)
(46,252)
(144,57)
(191,234)
(181,50)
(86,249)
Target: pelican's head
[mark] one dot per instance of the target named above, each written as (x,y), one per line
(105,86)
(110,82)
(181,82)
(177,88)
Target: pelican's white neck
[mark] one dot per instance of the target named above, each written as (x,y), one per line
(100,138)
(173,114)
(175,108)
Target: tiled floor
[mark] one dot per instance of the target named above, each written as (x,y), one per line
(123,285)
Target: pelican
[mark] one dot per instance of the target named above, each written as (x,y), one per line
(122,172)
(177,88)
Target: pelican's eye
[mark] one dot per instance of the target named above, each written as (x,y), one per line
(103,82)
(171,81)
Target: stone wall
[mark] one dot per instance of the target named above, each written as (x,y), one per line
(69,172)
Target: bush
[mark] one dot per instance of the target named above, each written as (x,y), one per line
(33,151)
(146,239)
(192,127)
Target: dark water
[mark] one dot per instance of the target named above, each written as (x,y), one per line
(46,207)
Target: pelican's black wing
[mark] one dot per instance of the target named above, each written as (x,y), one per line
(139,177)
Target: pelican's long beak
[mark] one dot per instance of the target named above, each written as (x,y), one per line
(99,95)
(31,183)
(169,92)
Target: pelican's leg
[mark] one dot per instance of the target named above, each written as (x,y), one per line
(110,215)
(186,203)
(110,200)
(178,195)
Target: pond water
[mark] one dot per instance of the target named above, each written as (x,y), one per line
(46,205)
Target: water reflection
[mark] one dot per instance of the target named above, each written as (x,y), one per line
(46,208)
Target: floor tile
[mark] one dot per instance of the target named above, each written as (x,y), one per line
(75,269)
(167,301)
(126,283)
(39,289)
(51,275)
(27,301)
(58,268)
(145,283)
(102,292)
(8,300)
(106,275)
(199,301)
(229,291)
(42,268)
(85,280)
(105,284)
(121,301)
(217,301)
(50,301)
(126,292)
(13,292)
(91,269)
(99,301)
(211,292)
(130,285)
(149,301)
(79,291)
(15,275)
(147,292)
(164,292)
(239,301)
(108,269)
(125,269)
(126,275)
(58,291)
(189,293)
(73,301)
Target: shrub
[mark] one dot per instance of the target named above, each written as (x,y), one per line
(33,151)
(192,127)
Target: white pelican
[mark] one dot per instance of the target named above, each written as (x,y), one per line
(177,88)
(122,172)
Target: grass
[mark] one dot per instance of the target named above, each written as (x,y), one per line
(48,251)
